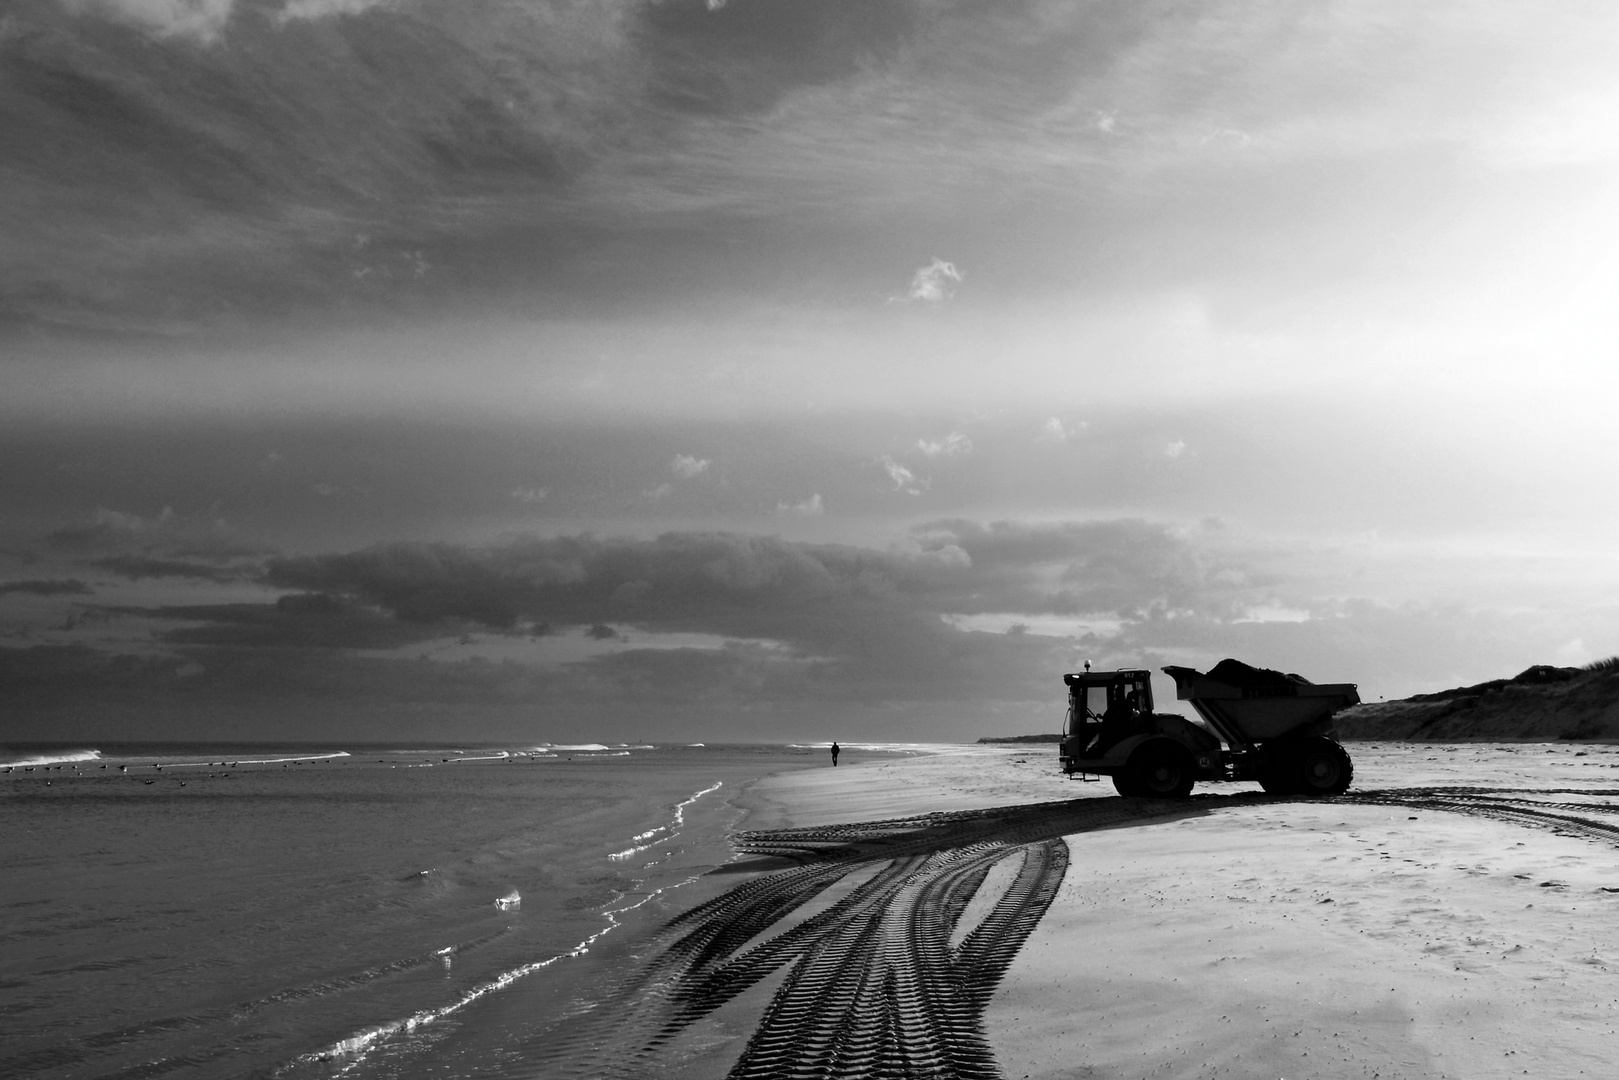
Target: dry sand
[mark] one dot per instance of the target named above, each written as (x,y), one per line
(1294,939)
(973,914)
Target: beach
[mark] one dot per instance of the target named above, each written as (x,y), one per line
(1453,916)
(698,913)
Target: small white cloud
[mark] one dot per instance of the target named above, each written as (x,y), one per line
(118,521)
(925,549)
(1274,613)
(1054,430)
(903,478)
(386,266)
(953,555)
(1106,121)
(931,284)
(686,466)
(810,507)
(662,491)
(954,444)
(323,9)
(199,19)
(530,494)
(1233,137)
(1175,449)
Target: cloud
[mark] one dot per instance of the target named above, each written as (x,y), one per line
(137,567)
(995,129)
(417,582)
(810,507)
(1054,430)
(902,477)
(687,467)
(662,491)
(1175,448)
(167,534)
(805,594)
(1228,137)
(529,494)
(110,528)
(734,585)
(911,639)
(301,620)
(932,283)
(203,20)
(324,9)
(1124,568)
(954,444)
(47,587)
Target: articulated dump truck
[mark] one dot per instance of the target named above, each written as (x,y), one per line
(1257,725)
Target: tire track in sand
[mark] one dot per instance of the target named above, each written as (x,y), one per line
(871,986)
(1518,806)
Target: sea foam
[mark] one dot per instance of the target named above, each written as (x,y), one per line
(57,757)
(351,1051)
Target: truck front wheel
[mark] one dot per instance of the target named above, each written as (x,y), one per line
(1157,770)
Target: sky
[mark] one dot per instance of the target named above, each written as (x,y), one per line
(791,369)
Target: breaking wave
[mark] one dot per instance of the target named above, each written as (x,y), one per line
(663,833)
(350,1051)
(57,757)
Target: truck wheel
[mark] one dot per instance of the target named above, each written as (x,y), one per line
(1320,767)
(1157,770)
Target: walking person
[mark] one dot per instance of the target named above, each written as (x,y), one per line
(834,755)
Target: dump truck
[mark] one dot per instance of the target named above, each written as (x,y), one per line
(1257,724)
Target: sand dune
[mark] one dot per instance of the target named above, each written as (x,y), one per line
(1542,702)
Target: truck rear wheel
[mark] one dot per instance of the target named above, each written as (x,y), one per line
(1157,770)
(1320,767)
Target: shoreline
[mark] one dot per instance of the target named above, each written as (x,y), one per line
(933,781)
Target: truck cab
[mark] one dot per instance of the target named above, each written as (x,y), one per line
(1111,730)
(1103,707)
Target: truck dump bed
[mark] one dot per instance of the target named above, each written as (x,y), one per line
(1255,704)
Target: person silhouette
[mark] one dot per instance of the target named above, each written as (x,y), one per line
(835,755)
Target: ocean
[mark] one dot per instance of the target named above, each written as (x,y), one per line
(364,911)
